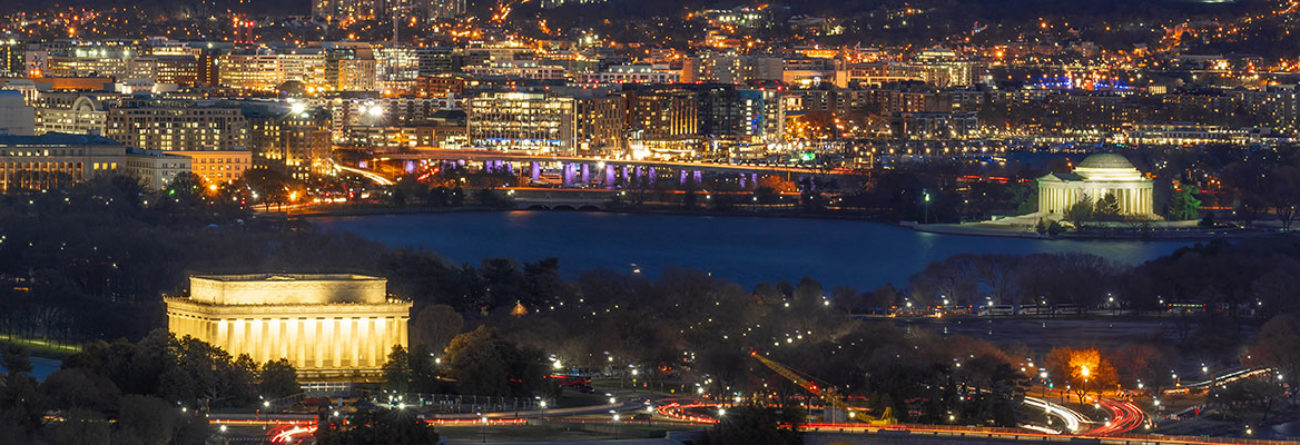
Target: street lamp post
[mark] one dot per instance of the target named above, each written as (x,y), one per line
(1086,373)
(616,426)
(926,193)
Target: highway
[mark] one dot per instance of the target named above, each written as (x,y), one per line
(1124,417)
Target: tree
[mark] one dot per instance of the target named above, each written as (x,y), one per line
(20,402)
(755,424)
(80,388)
(1183,205)
(15,359)
(1025,197)
(278,378)
(1259,394)
(435,326)
(1080,212)
(375,427)
(150,420)
(1278,346)
(1083,369)
(1145,363)
(397,371)
(1107,208)
(81,426)
(542,282)
(483,363)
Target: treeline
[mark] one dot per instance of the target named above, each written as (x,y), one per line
(688,327)
(158,390)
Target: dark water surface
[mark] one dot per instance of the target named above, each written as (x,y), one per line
(747,250)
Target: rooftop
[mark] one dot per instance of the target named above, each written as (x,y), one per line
(49,139)
(1105,160)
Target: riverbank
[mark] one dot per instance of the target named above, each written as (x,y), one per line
(1122,234)
(982,229)
(380,210)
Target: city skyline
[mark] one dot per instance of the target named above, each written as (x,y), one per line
(595,221)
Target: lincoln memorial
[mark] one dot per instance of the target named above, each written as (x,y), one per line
(328,326)
(1094,178)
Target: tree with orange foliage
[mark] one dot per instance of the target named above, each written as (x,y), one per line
(1082,368)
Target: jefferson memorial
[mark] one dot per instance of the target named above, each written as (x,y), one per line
(328,326)
(1095,177)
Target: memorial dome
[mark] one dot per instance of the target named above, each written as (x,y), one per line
(1105,160)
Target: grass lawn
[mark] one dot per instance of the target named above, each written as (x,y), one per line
(42,347)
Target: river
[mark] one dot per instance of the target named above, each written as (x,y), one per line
(746,250)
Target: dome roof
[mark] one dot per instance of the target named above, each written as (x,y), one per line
(1105,160)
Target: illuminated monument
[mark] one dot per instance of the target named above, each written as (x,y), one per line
(328,326)
(1094,178)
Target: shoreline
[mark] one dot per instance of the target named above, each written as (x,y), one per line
(989,230)
(380,211)
(951,229)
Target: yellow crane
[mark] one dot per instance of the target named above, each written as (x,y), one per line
(825,393)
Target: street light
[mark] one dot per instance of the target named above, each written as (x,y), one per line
(926,193)
(616,426)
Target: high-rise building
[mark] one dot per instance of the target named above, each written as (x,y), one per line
(12,62)
(350,68)
(664,119)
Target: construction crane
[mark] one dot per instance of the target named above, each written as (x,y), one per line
(826,393)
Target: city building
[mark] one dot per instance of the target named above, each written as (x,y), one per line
(639,73)
(16,117)
(663,120)
(933,125)
(217,166)
(266,70)
(329,326)
(294,140)
(565,122)
(68,112)
(528,70)
(535,122)
(1094,178)
(177,125)
(155,169)
(1189,134)
(12,63)
(350,68)
(55,159)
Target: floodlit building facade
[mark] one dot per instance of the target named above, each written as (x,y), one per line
(218,166)
(329,326)
(1094,178)
(54,159)
(155,169)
